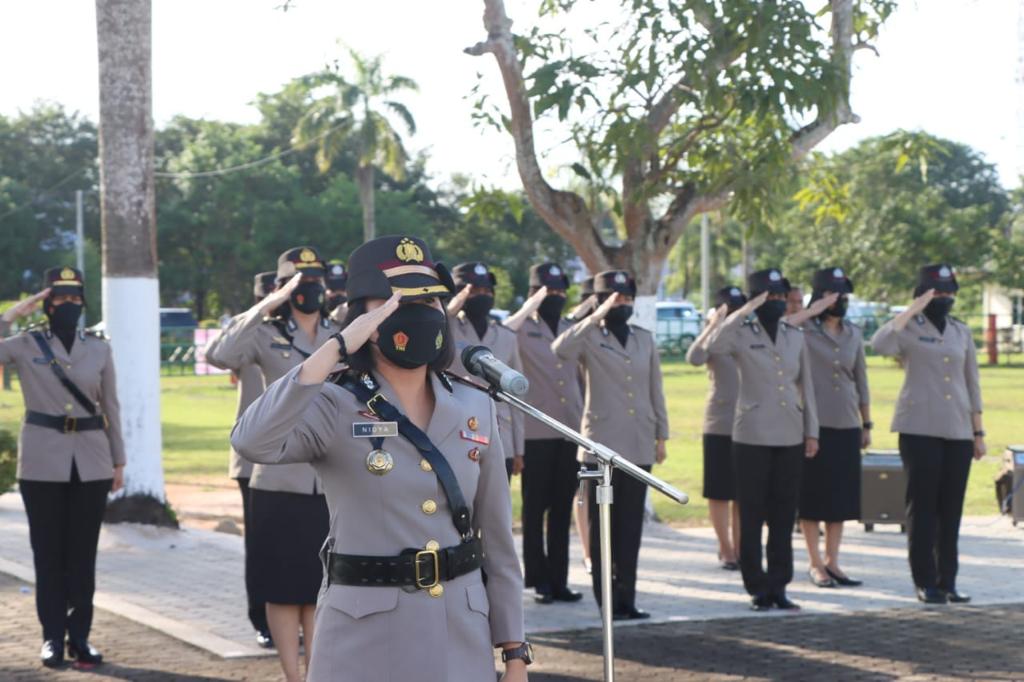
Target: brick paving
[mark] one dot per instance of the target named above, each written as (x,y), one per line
(918,643)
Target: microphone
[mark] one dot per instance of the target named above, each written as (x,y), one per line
(480,361)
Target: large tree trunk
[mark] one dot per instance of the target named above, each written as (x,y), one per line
(131,298)
(364,177)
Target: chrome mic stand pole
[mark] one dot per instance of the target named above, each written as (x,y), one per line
(607,459)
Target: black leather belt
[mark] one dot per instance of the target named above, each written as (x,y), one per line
(421,569)
(66,424)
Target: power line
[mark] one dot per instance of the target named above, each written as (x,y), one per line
(42,194)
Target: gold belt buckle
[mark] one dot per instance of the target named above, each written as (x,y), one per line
(437,569)
(371,401)
(70,424)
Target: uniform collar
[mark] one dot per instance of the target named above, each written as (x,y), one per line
(448,411)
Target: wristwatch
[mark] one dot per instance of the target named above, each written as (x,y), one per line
(342,350)
(868,426)
(523,652)
(979,434)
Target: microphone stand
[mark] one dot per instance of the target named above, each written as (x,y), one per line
(607,460)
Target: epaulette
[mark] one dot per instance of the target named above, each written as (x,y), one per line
(445,381)
(787,325)
(919,318)
(96,334)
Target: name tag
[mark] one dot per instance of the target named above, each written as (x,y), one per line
(757,345)
(41,361)
(281,346)
(927,339)
(536,335)
(374,429)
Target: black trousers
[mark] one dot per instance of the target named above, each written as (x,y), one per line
(937,471)
(627,528)
(257,607)
(549,484)
(64,528)
(767,489)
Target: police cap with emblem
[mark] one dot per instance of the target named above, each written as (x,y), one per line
(337,277)
(474,273)
(939,277)
(63,280)
(831,279)
(263,284)
(614,281)
(304,259)
(730,296)
(387,265)
(770,280)
(550,275)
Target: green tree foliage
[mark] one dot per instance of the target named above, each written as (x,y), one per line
(887,206)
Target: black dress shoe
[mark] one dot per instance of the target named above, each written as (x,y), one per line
(52,654)
(844,580)
(954,597)
(931,595)
(567,595)
(761,602)
(820,582)
(543,598)
(729,565)
(264,640)
(630,614)
(82,653)
(783,602)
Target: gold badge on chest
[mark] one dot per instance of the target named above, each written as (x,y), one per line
(379,462)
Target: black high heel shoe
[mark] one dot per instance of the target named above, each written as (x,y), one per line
(83,653)
(844,580)
(821,582)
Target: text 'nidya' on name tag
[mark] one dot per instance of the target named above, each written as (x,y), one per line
(374,429)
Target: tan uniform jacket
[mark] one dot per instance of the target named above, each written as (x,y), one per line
(503,345)
(251,339)
(839,372)
(776,405)
(369,634)
(723,391)
(250,386)
(941,387)
(554,384)
(624,402)
(45,454)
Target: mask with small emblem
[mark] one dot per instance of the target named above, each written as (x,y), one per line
(479,306)
(939,307)
(413,336)
(308,297)
(619,315)
(551,307)
(839,309)
(63,320)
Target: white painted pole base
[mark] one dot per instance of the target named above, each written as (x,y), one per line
(131,315)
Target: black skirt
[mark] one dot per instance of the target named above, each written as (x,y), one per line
(287,532)
(719,475)
(830,487)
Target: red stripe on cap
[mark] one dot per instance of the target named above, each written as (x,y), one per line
(387,265)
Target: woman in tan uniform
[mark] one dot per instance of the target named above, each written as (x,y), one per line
(413,470)
(938,417)
(719,476)
(830,484)
(70,455)
(287,509)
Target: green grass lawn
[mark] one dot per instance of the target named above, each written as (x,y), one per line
(198,413)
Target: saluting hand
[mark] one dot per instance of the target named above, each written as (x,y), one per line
(718,315)
(811,445)
(25,307)
(458,300)
(754,303)
(603,309)
(921,302)
(822,304)
(278,297)
(583,306)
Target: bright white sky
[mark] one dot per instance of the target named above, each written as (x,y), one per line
(946,66)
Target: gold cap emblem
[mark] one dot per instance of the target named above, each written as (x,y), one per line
(307,256)
(409,251)
(67,273)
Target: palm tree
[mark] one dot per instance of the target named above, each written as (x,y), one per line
(357,115)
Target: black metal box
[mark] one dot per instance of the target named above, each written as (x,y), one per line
(1015,455)
(883,489)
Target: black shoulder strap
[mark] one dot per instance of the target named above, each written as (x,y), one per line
(378,405)
(282,327)
(82,399)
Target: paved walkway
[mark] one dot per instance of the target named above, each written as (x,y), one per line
(188,583)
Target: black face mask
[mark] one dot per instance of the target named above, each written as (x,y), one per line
(838,310)
(771,311)
(308,297)
(619,315)
(413,336)
(939,307)
(551,307)
(64,317)
(477,307)
(335,301)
